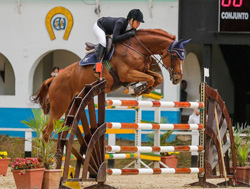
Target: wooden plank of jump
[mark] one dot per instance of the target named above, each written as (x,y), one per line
(219,138)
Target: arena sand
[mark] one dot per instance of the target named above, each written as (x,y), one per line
(133,181)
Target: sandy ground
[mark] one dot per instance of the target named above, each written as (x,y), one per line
(133,182)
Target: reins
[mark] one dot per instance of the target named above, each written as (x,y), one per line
(172,61)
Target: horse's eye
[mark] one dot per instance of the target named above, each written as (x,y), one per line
(174,56)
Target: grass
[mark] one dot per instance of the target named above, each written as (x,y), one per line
(15,148)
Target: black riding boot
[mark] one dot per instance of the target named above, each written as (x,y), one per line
(100,52)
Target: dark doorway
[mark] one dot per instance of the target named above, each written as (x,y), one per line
(237,58)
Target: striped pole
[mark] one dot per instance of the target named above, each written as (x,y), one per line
(194,148)
(150,126)
(122,107)
(163,104)
(131,171)
(121,156)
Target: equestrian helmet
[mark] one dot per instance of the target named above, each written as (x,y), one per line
(136,14)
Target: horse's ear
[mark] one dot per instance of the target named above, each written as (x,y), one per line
(179,42)
(185,42)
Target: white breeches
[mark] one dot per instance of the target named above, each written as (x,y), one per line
(100,35)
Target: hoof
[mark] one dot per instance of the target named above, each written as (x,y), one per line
(140,89)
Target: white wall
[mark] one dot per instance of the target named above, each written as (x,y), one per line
(63,58)
(25,40)
(192,74)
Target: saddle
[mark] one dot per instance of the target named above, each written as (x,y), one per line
(90,47)
(90,59)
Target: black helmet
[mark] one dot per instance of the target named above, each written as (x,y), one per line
(136,14)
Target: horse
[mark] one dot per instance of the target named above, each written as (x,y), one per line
(131,61)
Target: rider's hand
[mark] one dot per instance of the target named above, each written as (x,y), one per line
(132,33)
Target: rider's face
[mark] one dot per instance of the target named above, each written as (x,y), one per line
(134,23)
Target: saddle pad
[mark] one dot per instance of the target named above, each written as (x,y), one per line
(90,59)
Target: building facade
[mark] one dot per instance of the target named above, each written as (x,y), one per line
(37,35)
(220,32)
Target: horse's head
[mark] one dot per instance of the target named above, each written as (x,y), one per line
(173,59)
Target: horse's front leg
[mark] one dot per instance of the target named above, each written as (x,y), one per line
(137,76)
(158,80)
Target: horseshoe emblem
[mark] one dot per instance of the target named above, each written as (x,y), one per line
(59,23)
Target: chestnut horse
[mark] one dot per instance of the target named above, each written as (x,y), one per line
(56,94)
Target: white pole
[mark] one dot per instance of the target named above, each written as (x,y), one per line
(195,141)
(28,143)
(157,135)
(138,138)
(111,141)
(206,73)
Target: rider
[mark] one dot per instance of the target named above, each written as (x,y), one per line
(121,28)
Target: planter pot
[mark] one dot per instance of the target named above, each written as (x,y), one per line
(52,178)
(33,178)
(243,174)
(4,163)
(171,161)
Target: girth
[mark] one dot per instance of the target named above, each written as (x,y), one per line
(117,82)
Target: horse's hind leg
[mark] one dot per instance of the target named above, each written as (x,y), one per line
(48,129)
(58,106)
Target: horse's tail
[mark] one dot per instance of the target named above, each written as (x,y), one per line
(41,96)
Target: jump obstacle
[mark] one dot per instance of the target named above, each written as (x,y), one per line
(139,128)
(132,128)
(91,154)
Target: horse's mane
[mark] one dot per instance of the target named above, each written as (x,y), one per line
(156,32)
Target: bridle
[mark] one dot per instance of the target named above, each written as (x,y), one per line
(173,58)
(158,61)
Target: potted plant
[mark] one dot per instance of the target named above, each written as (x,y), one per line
(28,173)
(242,149)
(45,151)
(168,158)
(4,162)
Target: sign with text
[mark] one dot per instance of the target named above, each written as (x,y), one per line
(234,15)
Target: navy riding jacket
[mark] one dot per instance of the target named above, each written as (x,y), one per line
(115,26)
